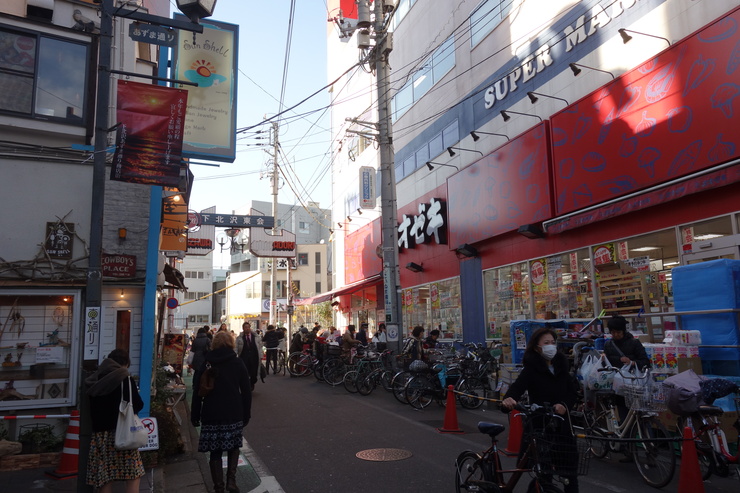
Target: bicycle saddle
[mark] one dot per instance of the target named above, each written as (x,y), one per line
(490,429)
(711,410)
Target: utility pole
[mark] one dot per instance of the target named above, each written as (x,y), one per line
(273,267)
(388,203)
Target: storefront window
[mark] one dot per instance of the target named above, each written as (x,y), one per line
(507,296)
(561,286)
(36,347)
(434,306)
(634,279)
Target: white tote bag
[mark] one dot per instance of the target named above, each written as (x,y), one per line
(130,433)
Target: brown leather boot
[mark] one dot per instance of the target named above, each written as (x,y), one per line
(217,474)
(233,461)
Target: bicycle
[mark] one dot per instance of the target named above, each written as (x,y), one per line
(301,363)
(543,456)
(382,375)
(280,367)
(711,442)
(641,432)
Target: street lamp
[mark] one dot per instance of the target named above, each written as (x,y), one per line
(196,9)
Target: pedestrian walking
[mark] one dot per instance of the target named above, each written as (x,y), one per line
(224,410)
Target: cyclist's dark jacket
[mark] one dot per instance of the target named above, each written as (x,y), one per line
(271,339)
(543,385)
(630,347)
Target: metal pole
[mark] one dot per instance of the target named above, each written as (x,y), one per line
(93,293)
(273,268)
(388,203)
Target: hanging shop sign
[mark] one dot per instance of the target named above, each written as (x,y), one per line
(430,225)
(209,59)
(118,265)
(59,240)
(367,187)
(264,244)
(149,33)
(149,134)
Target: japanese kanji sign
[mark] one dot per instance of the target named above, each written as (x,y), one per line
(430,224)
(155,35)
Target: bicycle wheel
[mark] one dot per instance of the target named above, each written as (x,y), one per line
(706,459)
(282,367)
(655,460)
(368,384)
(469,472)
(419,392)
(399,386)
(334,371)
(386,380)
(473,390)
(350,381)
(295,364)
(318,370)
(598,447)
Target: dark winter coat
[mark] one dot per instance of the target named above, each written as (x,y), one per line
(201,345)
(231,398)
(105,394)
(543,385)
(250,355)
(630,347)
(272,338)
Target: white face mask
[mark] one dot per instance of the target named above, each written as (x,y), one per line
(549,351)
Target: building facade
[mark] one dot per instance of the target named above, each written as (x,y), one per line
(553,159)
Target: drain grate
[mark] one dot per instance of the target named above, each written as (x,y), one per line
(383,454)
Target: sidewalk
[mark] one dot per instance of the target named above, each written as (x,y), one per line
(185,472)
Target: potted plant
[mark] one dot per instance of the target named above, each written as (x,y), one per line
(39,438)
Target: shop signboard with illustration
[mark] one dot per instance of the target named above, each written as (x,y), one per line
(59,240)
(539,275)
(174,351)
(604,254)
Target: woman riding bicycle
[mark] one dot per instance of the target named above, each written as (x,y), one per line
(547,380)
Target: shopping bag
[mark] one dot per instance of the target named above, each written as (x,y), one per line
(630,380)
(599,380)
(585,368)
(189,360)
(130,433)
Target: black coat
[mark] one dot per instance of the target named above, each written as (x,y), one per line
(231,398)
(250,355)
(630,347)
(105,408)
(543,385)
(272,338)
(201,345)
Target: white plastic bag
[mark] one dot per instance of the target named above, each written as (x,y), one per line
(630,380)
(130,433)
(599,380)
(583,370)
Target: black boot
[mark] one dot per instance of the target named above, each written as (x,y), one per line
(217,474)
(233,460)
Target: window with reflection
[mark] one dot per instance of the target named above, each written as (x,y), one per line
(561,286)
(506,292)
(434,306)
(43,77)
(38,358)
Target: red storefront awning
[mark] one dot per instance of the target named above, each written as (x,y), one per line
(352,288)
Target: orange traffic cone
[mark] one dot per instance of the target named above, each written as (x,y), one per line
(516,430)
(690,478)
(450,423)
(70,454)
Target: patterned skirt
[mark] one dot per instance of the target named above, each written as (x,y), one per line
(106,464)
(220,436)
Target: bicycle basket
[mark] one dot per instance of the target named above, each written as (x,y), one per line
(562,455)
(418,365)
(333,350)
(649,398)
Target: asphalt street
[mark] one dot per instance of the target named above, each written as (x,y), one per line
(308,434)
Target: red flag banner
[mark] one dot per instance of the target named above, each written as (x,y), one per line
(149,138)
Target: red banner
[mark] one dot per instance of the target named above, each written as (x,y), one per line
(506,189)
(672,116)
(149,138)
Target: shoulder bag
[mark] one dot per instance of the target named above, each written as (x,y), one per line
(130,433)
(207,381)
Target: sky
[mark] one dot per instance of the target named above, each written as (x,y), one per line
(263,33)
